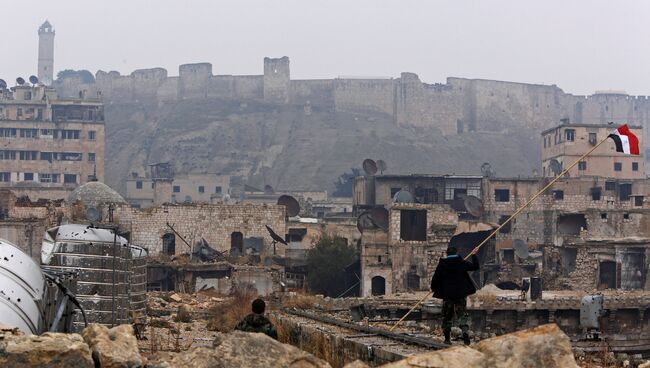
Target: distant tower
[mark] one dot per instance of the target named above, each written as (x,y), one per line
(46,53)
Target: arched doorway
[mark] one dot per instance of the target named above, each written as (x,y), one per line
(378,286)
(236,243)
(169,244)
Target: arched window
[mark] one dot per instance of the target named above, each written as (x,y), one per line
(378,285)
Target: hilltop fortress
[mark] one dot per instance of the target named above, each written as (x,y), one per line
(458,106)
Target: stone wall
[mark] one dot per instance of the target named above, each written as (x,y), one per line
(213,222)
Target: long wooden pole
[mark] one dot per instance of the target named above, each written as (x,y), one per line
(476,249)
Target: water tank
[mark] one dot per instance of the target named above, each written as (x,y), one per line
(138,282)
(591,309)
(102,260)
(22,289)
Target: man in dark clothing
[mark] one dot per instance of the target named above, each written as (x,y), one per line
(452,284)
(257,322)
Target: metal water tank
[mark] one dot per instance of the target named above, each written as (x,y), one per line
(101,259)
(138,282)
(22,289)
(591,309)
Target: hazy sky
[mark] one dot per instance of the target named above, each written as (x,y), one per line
(581,46)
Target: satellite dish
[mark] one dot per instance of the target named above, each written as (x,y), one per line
(92,214)
(369,166)
(3,84)
(473,205)
(20,81)
(555,166)
(365,222)
(379,217)
(292,205)
(381,165)
(403,196)
(486,170)
(521,248)
(275,236)
(33,79)
(268,189)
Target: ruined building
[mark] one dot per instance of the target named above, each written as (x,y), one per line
(49,145)
(588,232)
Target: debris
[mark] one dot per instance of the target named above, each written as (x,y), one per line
(175,297)
(49,350)
(113,348)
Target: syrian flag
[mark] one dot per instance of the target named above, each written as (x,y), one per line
(625,141)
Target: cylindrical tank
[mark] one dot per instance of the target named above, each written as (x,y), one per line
(101,259)
(22,288)
(138,282)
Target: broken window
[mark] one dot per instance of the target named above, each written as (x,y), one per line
(502,195)
(570,135)
(626,216)
(558,195)
(638,201)
(296,235)
(618,166)
(378,286)
(169,244)
(413,225)
(603,216)
(508,227)
(568,258)
(582,165)
(610,185)
(571,224)
(595,194)
(508,256)
(624,191)
(236,243)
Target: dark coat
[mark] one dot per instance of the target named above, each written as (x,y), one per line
(257,323)
(451,280)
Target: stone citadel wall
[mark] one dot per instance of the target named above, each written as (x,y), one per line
(455,107)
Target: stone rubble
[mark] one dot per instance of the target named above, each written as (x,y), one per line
(113,348)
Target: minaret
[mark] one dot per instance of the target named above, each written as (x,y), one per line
(46,53)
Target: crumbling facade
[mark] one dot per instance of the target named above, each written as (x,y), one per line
(49,145)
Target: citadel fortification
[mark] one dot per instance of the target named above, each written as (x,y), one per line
(458,106)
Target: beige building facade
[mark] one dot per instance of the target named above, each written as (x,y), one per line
(189,188)
(49,146)
(564,144)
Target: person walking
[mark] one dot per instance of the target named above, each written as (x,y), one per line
(452,284)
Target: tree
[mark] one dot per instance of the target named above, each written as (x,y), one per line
(84,75)
(326,263)
(345,182)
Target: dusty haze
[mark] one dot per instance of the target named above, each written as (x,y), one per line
(580,46)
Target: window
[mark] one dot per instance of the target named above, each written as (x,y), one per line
(28,155)
(47,133)
(5,177)
(91,157)
(138,184)
(91,135)
(635,166)
(201,189)
(47,156)
(603,216)
(169,244)
(638,201)
(28,133)
(19,112)
(70,178)
(8,132)
(570,135)
(595,194)
(610,185)
(28,95)
(624,191)
(90,178)
(508,227)
(217,190)
(177,189)
(68,156)
(558,195)
(7,155)
(69,134)
(618,166)
(413,225)
(592,138)
(28,176)
(502,195)
(626,216)
(582,165)
(48,178)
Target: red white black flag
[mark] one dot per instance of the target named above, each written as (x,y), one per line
(625,141)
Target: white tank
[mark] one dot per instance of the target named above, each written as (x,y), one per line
(22,289)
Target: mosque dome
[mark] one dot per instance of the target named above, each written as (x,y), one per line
(94,194)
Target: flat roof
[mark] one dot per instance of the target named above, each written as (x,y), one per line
(609,126)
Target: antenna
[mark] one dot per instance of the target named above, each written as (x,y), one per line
(20,81)
(3,84)
(92,214)
(369,166)
(555,166)
(276,238)
(33,79)
(473,205)
(379,217)
(268,189)
(364,222)
(292,205)
(403,196)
